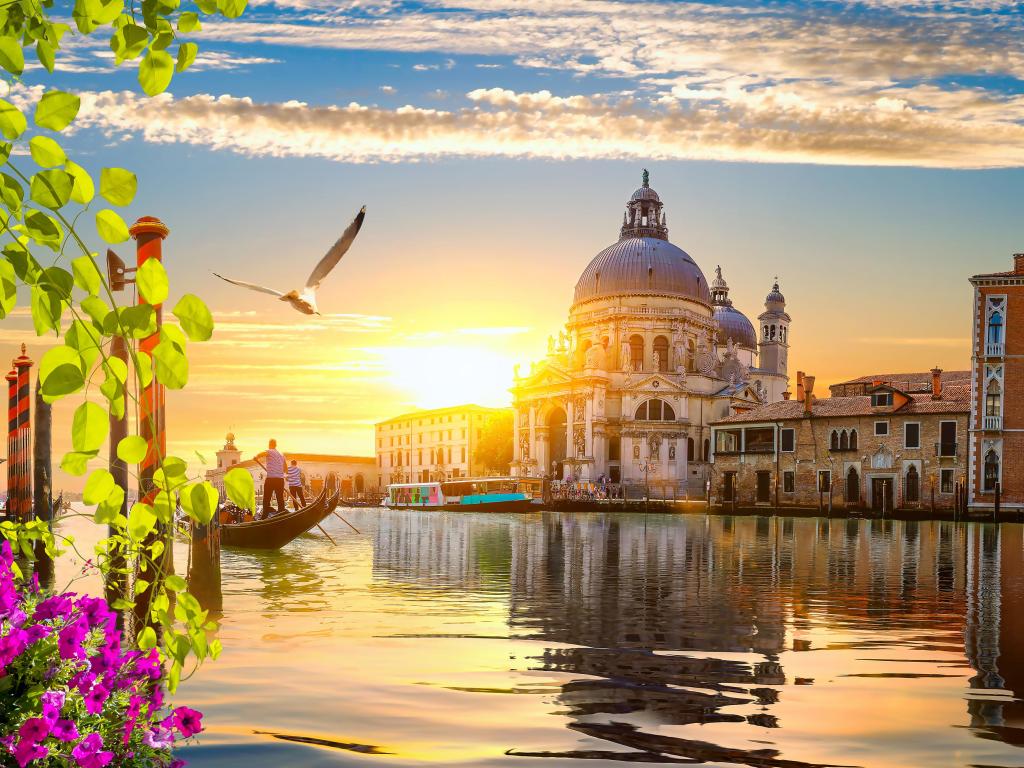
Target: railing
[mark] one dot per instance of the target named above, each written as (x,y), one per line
(994,349)
(947,449)
(993,423)
(843,449)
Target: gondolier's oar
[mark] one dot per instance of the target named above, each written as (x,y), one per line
(325,533)
(346,522)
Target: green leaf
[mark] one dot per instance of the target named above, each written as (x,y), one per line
(186,56)
(87,275)
(118,185)
(46,152)
(110,508)
(52,188)
(132,449)
(204,502)
(57,109)
(45,54)
(74,463)
(141,520)
(12,122)
(147,639)
(12,58)
(89,427)
(11,192)
(47,309)
(8,288)
(189,22)
(155,72)
(231,8)
(139,321)
(173,334)
(240,488)
(96,308)
(175,467)
(151,280)
(144,369)
(84,339)
(128,42)
(99,485)
(207,6)
(61,372)
(171,365)
(114,391)
(111,227)
(194,316)
(175,583)
(43,229)
(84,189)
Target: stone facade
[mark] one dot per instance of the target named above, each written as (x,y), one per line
(997,408)
(886,449)
(650,356)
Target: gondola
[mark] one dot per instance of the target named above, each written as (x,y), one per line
(275,532)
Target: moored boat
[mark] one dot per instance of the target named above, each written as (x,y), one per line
(275,532)
(482,494)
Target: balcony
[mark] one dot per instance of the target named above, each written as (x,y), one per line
(993,424)
(947,449)
(994,349)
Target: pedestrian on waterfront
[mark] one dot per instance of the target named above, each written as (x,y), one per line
(274,482)
(295,485)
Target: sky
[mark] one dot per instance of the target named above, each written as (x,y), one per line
(867,153)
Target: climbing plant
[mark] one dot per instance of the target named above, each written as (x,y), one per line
(45,197)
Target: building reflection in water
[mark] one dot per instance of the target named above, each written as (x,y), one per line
(686,619)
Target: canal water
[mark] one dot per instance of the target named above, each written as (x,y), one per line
(587,640)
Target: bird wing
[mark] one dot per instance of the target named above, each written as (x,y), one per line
(333,256)
(251,286)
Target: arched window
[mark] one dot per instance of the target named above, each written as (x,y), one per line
(995,328)
(767,330)
(993,399)
(660,347)
(853,439)
(912,486)
(773,333)
(707,450)
(834,443)
(852,486)
(636,352)
(691,356)
(655,410)
(360,483)
(689,450)
(991,470)
(844,440)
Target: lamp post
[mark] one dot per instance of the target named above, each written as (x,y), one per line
(647,467)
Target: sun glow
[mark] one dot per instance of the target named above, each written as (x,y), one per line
(434,376)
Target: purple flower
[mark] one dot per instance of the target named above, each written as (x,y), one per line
(52,702)
(158,738)
(69,641)
(65,730)
(89,754)
(26,752)
(6,556)
(188,721)
(37,632)
(11,645)
(33,730)
(52,608)
(96,698)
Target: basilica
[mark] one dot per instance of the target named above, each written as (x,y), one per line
(650,356)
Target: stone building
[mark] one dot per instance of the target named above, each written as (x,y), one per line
(430,445)
(356,475)
(997,401)
(650,356)
(888,448)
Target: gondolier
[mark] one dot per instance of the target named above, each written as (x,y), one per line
(274,481)
(295,485)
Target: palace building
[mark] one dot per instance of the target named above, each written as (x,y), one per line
(651,355)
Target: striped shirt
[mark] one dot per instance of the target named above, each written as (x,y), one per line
(275,463)
(294,478)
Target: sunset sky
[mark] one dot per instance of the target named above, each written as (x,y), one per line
(866,153)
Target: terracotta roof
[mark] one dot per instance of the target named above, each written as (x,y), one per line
(955,399)
(925,378)
(1011,273)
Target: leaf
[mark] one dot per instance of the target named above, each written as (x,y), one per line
(43,229)
(171,365)
(12,122)
(186,56)
(111,227)
(47,309)
(74,463)
(194,316)
(147,639)
(84,189)
(173,334)
(155,72)
(132,449)
(204,502)
(87,275)
(175,583)
(240,488)
(151,280)
(89,427)
(189,22)
(46,152)
(11,192)
(99,485)
(114,391)
(52,188)
(45,54)
(12,58)
(141,520)
(128,42)
(96,308)
(57,109)
(118,185)
(231,8)
(61,372)
(207,6)
(8,288)
(175,467)
(110,508)
(85,340)
(139,321)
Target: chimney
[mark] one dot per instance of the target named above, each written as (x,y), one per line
(1018,263)
(936,383)
(800,386)
(877,383)
(787,395)
(808,394)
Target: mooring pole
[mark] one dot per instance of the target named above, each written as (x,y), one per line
(42,490)
(149,233)
(22,364)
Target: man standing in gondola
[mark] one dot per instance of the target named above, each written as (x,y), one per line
(295,485)
(274,482)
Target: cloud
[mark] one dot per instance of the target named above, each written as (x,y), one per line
(388,89)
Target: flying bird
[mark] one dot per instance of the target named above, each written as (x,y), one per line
(305,301)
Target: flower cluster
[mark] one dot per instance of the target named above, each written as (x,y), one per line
(72,695)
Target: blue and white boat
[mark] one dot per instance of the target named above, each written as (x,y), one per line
(481,494)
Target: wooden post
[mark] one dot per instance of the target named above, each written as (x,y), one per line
(12,443)
(995,508)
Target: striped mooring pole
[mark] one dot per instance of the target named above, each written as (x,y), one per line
(19,439)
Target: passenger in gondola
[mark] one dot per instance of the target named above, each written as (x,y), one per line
(273,484)
(295,485)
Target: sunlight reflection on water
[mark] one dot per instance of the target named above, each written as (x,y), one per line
(479,640)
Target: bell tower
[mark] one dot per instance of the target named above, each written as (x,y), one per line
(773,349)
(644,216)
(229,455)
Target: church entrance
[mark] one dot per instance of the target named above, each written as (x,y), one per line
(557,441)
(882,493)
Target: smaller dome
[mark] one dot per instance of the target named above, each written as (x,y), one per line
(775,297)
(645,193)
(733,324)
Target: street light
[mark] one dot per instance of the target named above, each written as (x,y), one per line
(647,467)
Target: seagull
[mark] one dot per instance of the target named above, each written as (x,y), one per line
(305,302)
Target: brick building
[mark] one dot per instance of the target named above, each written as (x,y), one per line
(997,394)
(891,447)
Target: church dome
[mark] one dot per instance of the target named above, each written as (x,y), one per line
(775,297)
(645,193)
(733,324)
(644,265)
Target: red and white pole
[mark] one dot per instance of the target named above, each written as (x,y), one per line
(22,364)
(12,445)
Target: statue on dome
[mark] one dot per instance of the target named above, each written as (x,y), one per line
(647,178)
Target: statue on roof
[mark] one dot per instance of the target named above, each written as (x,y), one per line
(647,178)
